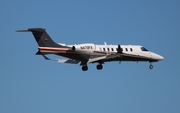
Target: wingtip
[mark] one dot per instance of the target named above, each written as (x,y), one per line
(36,29)
(22,31)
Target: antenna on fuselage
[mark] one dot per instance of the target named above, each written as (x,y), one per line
(105,47)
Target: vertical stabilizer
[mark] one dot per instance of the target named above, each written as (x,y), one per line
(42,38)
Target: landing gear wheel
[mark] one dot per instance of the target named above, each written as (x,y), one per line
(151,66)
(84,68)
(99,66)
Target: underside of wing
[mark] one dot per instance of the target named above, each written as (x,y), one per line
(96,59)
(70,61)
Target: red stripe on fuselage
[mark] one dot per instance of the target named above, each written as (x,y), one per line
(55,49)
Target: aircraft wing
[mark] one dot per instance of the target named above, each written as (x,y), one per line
(68,61)
(96,59)
(113,55)
(108,56)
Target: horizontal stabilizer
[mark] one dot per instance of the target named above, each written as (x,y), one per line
(32,29)
(38,53)
(44,56)
(68,61)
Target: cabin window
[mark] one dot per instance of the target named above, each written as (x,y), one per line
(112,49)
(108,49)
(126,49)
(143,49)
(104,49)
(131,49)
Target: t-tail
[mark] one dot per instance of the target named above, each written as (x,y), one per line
(42,38)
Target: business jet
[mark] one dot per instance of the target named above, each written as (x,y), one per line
(90,53)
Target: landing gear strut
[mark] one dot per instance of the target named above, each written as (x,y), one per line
(85,68)
(99,66)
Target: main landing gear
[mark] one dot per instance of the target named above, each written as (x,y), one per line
(99,66)
(85,67)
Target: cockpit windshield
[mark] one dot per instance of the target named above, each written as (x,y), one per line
(143,49)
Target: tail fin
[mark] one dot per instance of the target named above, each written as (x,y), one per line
(42,38)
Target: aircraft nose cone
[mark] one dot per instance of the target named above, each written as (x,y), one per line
(161,57)
(157,57)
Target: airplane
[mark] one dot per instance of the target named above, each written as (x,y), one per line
(90,53)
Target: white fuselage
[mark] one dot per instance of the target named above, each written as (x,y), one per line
(128,50)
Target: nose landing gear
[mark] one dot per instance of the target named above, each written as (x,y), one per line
(151,66)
